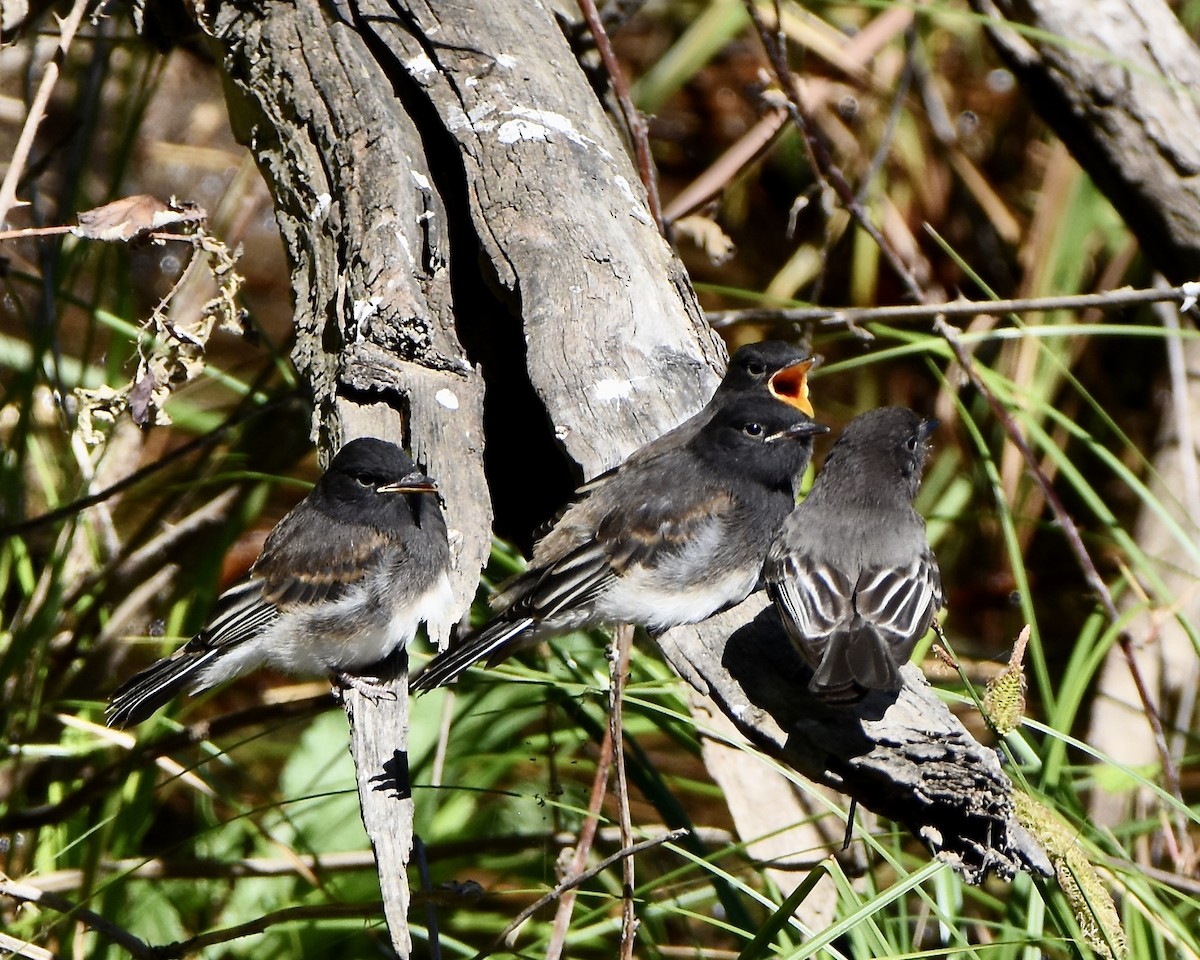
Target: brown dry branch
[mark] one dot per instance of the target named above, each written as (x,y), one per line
(583,847)
(635,123)
(37,108)
(618,670)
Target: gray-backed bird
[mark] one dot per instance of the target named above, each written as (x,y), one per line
(667,538)
(342,581)
(851,573)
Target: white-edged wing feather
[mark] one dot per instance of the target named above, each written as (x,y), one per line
(899,603)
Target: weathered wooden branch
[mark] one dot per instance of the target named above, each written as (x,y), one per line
(390,134)
(906,757)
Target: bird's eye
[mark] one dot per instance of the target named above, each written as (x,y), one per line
(363,481)
(753,430)
(911,443)
(755,369)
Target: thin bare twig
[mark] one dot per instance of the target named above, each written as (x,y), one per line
(93,921)
(622,640)
(327,911)
(634,120)
(307,865)
(25,233)
(820,157)
(1075,543)
(202,442)
(575,882)
(103,780)
(37,109)
(831,318)
(583,847)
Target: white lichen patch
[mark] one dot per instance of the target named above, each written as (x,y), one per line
(514,131)
(608,390)
(403,241)
(364,310)
(446,398)
(637,208)
(421,180)
(541,125)
(420,66)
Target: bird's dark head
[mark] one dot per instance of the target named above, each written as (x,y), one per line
(780,367)
(370,471)
(889,444)
(760,438)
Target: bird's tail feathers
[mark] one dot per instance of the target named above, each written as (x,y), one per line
(853,664)
(143,693)
(495,642)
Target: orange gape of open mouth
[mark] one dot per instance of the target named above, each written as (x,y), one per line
(791,385)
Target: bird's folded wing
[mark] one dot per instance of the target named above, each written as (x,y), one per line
(662,526)
(814,596)
(901,602)
(240,613)
(642,523)
(304,563)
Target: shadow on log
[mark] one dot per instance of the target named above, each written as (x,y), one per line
(907,758)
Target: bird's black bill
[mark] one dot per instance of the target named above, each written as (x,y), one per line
(927,428)
(791,385)
(801,430)
(411,483)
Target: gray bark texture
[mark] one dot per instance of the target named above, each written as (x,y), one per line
(1116,80)
(459,211)
(1118,84)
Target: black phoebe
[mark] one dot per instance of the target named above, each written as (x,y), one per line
(851,573)
(342,582)
(664,540)
(767,368)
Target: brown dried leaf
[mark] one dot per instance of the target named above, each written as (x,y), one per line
(131,217)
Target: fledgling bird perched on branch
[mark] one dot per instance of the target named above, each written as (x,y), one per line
(769,368)
(851,573)
(674,534)
(342,581)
